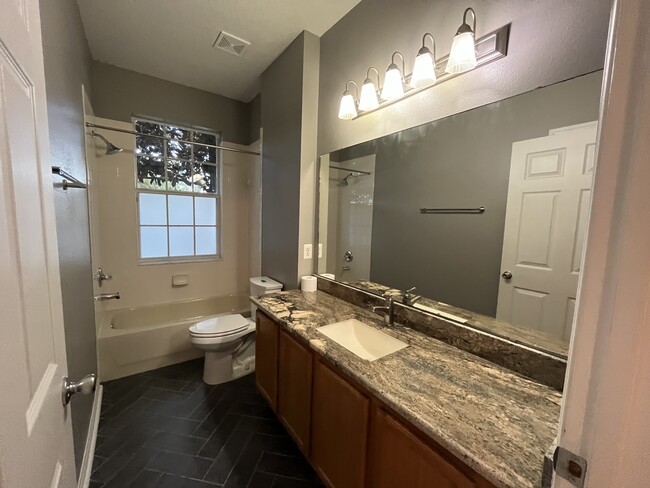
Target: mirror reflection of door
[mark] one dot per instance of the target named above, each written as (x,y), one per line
(548,204)
(351,192)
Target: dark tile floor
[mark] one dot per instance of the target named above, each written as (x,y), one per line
(166,428)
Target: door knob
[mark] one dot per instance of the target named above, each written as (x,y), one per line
(507,275)
(85,386)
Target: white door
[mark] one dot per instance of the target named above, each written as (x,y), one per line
(35,432)
(546,216)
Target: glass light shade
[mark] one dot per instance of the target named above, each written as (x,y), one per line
(424,70)
(347,109)
(393,85)
(368,100)
(463,53)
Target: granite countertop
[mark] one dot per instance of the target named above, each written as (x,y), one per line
(498,423)
(521,335)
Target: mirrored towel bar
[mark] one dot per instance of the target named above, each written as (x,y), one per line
(69,181)
(478,210)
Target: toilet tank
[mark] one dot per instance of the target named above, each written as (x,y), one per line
(262,285)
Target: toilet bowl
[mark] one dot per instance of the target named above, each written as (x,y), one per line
(229,340)
(229,345)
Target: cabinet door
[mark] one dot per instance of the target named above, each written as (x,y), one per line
(339,429)
(266,358)
(294,389)
(398,458)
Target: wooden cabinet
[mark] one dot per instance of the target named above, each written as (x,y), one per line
(329,418)
(266,358)
(339,429)
(399,458)
(294,389)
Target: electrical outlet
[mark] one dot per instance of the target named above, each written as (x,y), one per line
(307,251)
(320,251)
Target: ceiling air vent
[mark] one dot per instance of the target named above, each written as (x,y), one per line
(232,44)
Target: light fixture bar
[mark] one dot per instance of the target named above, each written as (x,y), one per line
(489,48)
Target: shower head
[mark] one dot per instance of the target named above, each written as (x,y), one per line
(110,147)
(346,180)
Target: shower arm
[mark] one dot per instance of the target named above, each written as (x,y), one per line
(132,132)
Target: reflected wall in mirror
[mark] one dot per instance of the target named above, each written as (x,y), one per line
(403,211)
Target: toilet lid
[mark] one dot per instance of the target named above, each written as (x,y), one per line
(220,326)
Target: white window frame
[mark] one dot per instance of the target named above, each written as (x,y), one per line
(217,196)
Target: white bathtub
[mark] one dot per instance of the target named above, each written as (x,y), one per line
(139,339)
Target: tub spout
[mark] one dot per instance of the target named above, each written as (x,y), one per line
(107,296)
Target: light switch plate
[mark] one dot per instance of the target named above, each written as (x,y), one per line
(320,251)
(307,251)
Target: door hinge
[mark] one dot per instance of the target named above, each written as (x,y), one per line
(570,466)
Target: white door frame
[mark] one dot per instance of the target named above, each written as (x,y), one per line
(604,414)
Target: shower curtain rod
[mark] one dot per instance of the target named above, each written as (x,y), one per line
(124,131)
(351,170)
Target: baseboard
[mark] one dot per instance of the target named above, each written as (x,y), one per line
(91,440)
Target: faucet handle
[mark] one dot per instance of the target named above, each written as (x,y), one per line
(411,290)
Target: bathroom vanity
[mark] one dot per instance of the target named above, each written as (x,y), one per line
(428,415)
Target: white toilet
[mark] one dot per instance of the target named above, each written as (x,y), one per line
(229,340)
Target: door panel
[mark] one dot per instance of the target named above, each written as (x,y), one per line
(339,429)
(266,358)
(294,389)
(548,207)
(33,421)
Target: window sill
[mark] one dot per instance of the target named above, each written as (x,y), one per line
(179,260)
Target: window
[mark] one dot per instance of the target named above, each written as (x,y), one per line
(177,181)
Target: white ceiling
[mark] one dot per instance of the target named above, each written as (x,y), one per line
(172,39)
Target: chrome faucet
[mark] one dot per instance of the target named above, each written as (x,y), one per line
(107,296)
(411,298)
(389,308)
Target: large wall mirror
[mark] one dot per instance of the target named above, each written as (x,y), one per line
(484,212)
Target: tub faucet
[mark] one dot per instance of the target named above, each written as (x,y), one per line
(107,296)
(389,308)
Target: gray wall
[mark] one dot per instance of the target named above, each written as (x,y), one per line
(282,121)
(460,161)
(67,67)
(289,106)
(254,118)
(120,93)
(550,41)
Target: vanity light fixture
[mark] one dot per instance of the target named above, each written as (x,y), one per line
(393,80)
(467,53)
(348,107)
(424,68)
(369,100)
(463,49)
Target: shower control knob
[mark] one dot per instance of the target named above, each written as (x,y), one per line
(507,275)
(85,386)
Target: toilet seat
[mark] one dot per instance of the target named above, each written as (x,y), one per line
(220,327)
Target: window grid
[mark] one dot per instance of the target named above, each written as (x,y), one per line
(167,190)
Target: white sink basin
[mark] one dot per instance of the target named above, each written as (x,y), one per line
(361,339)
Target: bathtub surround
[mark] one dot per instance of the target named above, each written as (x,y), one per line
(121,93)
(67,68)
(544,367)
(148,284)
(572,43)
(495,421)
(289,103)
